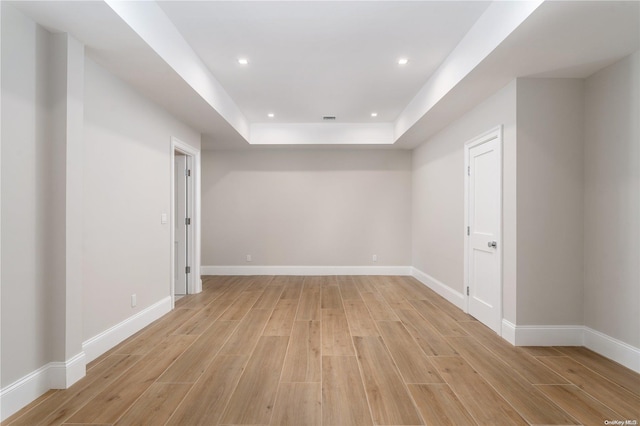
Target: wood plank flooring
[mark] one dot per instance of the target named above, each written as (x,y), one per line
(334,351)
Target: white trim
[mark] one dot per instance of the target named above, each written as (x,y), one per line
(65,374)
(573,335)
(194,284)
(612,348)
(54,375)
(305,270)
(495,133)
(61,375)
(23,391)
(99,344)
(548,335)
(509,331)
(443,290)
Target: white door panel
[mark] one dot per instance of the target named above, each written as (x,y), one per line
(484,274)
(483,248)
(483,190)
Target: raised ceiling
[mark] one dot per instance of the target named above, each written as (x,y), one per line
(307,59)
(310,59)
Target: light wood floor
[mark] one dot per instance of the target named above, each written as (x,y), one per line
(334,351)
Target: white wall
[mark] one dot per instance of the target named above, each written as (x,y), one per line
(28,195)
(612,201)
(306,207)
(438,195)
(0,204)
(550,133)
(572,233)
(42,85)
(85,178)
(126,189)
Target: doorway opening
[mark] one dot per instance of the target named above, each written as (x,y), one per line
(483,226)
(185,220)
(181,231)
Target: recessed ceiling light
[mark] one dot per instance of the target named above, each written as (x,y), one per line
(243,61)
(374,114)
(271,115)
(403,61)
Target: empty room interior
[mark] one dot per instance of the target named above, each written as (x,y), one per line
(320,213)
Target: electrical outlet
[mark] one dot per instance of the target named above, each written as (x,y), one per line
(374,258)
(133,301)
(248,258)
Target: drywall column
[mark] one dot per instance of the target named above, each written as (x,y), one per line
(67,87)
(550,133)
(25,202)
(75,208)
(33,214)
(612,209)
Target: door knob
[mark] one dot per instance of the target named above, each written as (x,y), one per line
(492,244)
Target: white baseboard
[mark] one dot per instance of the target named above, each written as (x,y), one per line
(508,331)
(612,348)
(542,335)
(23,391)
(547,335)
(54,375)
(305,270)
(61,375)
(573,335)
(64,374)
(106,340)
(443,290)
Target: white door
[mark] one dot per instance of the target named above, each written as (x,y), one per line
(484,245)
(180,225)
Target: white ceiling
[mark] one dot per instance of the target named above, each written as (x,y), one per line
(313,58)
(309,59)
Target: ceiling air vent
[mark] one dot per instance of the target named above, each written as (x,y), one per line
(329,118)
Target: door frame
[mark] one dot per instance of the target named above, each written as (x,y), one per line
(495,133)
(194,282)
